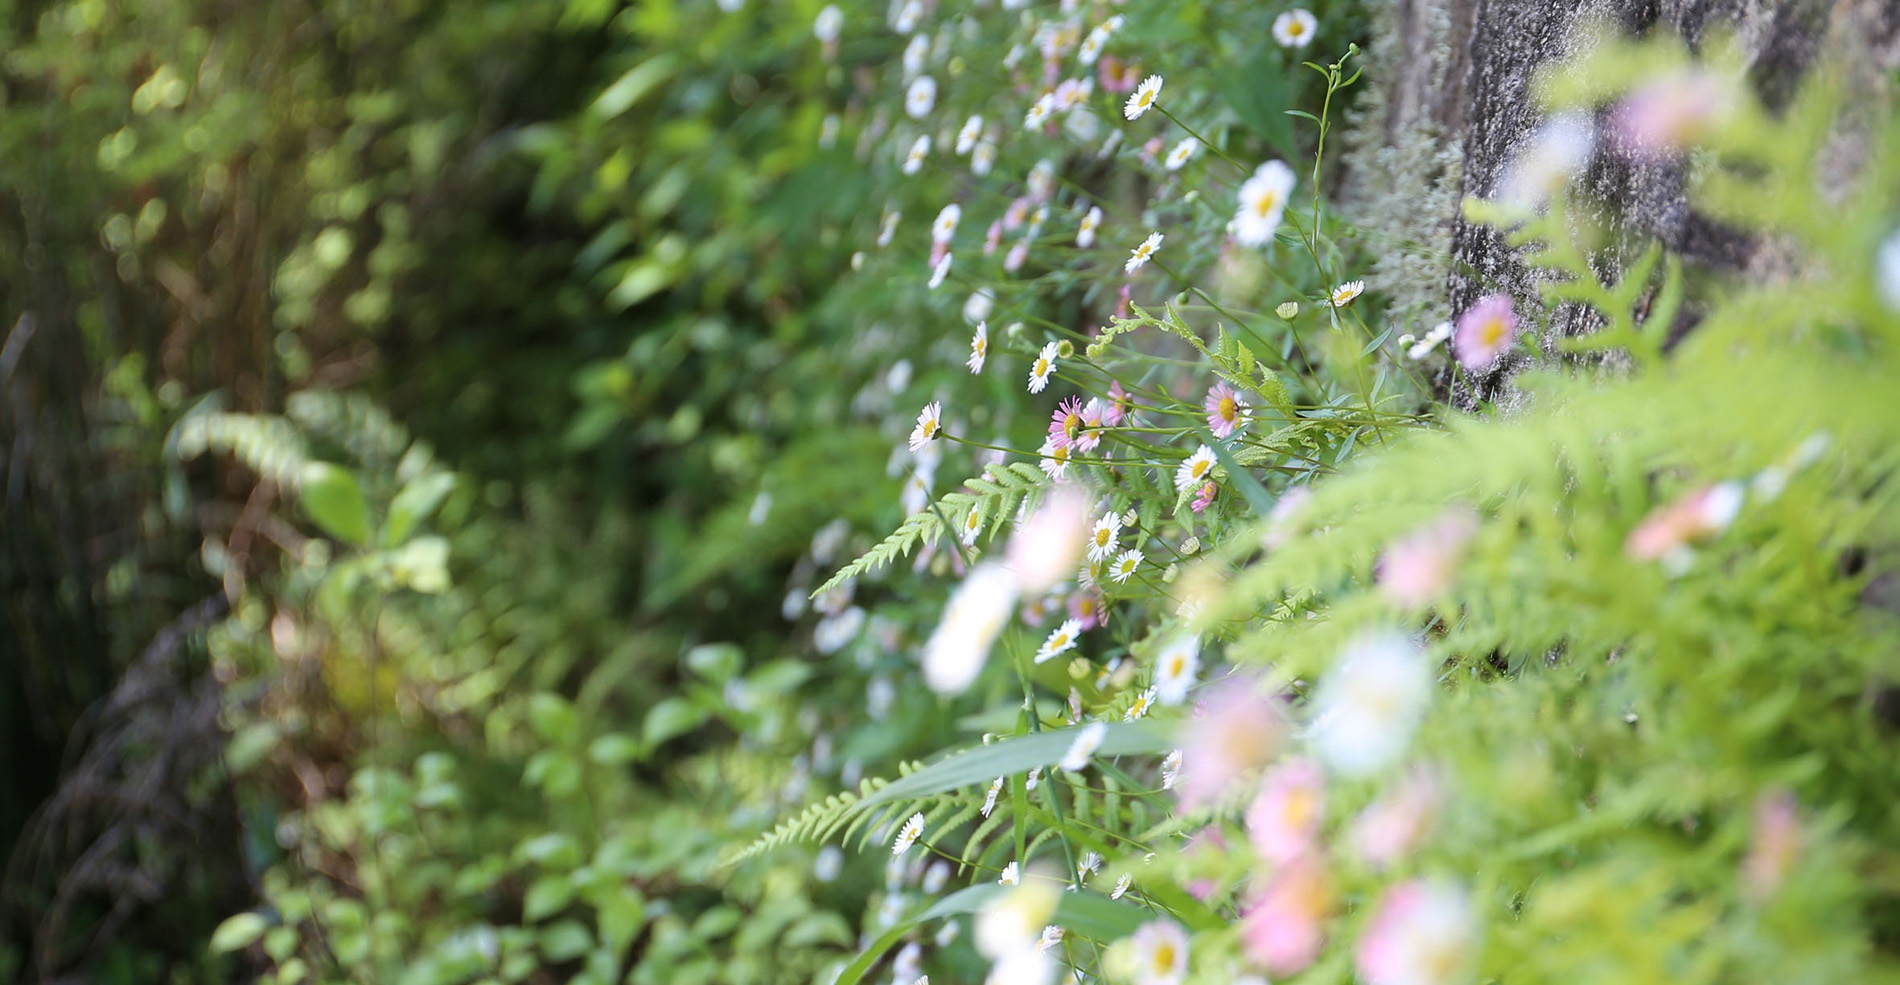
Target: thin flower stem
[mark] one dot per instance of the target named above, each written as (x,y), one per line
(1204,141)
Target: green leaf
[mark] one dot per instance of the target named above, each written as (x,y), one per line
(621,916)
(238,931)
(554,719)
(413,504)
(1017,755)
(614,749)
(674,716)
(333,499)
(627,90)
(548,895)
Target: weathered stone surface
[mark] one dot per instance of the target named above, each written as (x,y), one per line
(1453,105)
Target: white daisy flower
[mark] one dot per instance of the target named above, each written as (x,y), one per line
(914,54)
(1071,93)
(915,494)
(946,224)
(1042,368)
(1085,234)
(907,836)
(1559,149)
(1175,668)
(929,425)
(829,23)
(1090,864)
(1343,295)
(1125,566)
(972,527)
(1161,953)
(940,271)
(1034,777)
(979,347)
(1012,875)
(1121,885)
(1143,703)
(1263,199)
(1370,703)
(905,19)
(1195,469)
(978,306)
(1295,28)
(889,229)
(1141,253)
(1143,97)
(1039,111)
(1102,540)
(914,159)
(982,159)
(921,97)
(1170,769)
(1054,459)
(1059,642)
(1051,936)
(1182,153)
(1083,748)
(957,649)
(989,802)
(967,137)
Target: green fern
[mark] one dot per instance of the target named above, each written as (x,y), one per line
(996,496)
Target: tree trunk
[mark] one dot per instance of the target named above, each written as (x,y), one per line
(1452,106)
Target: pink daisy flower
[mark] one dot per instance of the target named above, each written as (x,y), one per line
(1283,822)
(1418,568)
(1285,928)
(1484,331)
(1773,844)
(1120,405)
(1236,730)
(1392,827)
(1091,434)
(1423,933)
(1205,498)
(1066,422)
(1226,410)
(1087,608)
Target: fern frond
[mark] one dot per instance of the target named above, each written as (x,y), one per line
(996,494)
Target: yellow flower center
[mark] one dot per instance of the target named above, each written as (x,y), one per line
(1101,537)
(1295,29)
(1071,423)
(1177,664)
(1200,468)
(1266,204)
(1164,957)
(1227,410)
(1491,332)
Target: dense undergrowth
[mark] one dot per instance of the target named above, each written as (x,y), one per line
(840,495)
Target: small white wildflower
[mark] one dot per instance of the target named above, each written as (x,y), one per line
(919,150)
(955,652)
(1175,668)
(1083,748)
(1160,948)
(940,271)
(1126,564)
(1051,936)
(1182,153)
(1344,294)
(889,229)
(921,97)
(1141,253)
(1143,702)
(982,159)
(829,23)
(1143,97)
(978,305)
(1034,777)
(946,224)
(1039,111)
(1043,367)
(936,877)
(1059,642)
(1053,458)
(1121,886)
(929,425)
(1263,199)
(1102,540)
(979,347)
(989,801)
(1370,703)
(1195,469)
(1091,863)
(907,836)
(1012,875)
(967,137)
(1295,28)
(1085,234)
(1170,770)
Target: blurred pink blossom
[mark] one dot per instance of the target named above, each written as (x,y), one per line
(1236,730)
(1284,929)
(1283,822)
(1418,568)
(1391,827)
(1423,933)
